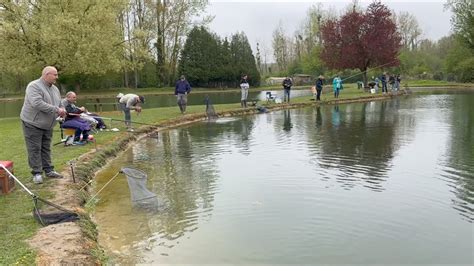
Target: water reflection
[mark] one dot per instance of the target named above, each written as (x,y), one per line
(358,141)
(460,158)
(354,182)
(287,120)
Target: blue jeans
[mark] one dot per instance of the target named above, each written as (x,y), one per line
(126,111)
(286,93)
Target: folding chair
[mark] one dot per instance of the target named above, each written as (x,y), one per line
(270,96)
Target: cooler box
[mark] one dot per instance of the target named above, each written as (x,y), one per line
(7,183)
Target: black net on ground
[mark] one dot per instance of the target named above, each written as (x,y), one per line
(47,213)
(141,196)
(210,112)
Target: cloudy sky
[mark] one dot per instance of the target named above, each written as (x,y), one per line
(259,18)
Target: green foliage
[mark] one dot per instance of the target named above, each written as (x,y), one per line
(209,62)
(460,62)
(312,64)
(198,61)
(78,37)
(243,59)
(463,20)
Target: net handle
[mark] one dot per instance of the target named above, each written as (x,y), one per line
(18,181)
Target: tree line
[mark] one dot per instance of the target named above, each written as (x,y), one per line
(95,44)
(373,41)
(149,43)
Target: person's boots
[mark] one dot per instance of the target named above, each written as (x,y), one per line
(245,103)
(242,104)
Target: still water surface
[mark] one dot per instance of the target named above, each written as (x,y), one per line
(378,182)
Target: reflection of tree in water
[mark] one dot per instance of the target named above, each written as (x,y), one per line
(185,172)
(461,155)
(185,185)
(359,143)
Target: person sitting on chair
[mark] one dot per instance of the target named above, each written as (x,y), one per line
(73,119)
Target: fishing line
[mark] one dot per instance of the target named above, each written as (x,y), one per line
(100,190)
(369,69)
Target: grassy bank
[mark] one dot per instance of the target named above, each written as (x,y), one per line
(16,219)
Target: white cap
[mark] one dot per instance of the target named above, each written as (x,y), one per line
(120,95)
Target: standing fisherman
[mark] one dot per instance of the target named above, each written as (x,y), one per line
(287,83)
(128,102)
(181,91)
(38,115)
(319,87)
(244,87)
(337,86)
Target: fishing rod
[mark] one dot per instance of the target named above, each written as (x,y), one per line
(369,69)
(115,119)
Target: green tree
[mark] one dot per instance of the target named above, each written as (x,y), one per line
(198,61)
(460,62)
(173,21)
(137,28)
(463,20)
(243,59)
(78,37)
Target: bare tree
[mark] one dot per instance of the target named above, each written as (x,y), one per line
(409,30)
(281,46)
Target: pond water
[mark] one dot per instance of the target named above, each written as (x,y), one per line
(388,182)
(13,108)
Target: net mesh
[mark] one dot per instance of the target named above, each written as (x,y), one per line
(46,212)
(140,195)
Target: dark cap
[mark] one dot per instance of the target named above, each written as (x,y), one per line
(142,99)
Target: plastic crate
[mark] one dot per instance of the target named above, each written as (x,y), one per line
(7,183)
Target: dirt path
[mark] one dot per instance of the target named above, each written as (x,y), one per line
(63,243)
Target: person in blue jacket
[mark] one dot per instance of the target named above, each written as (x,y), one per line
(181,91)
(337,86)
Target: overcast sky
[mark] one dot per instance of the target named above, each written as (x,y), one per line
(259,18)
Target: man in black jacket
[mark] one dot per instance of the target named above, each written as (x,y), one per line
(287,83)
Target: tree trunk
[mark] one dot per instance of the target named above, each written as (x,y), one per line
(160,41)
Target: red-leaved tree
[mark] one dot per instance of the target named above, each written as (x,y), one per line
(361,40)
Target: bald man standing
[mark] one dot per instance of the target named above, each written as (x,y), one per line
(40,109)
